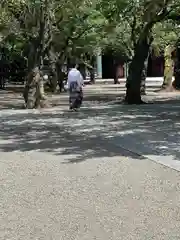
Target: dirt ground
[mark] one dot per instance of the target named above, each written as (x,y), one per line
(12,97)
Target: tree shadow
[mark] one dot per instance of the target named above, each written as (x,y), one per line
(98,131)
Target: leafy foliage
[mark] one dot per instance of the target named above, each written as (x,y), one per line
(79,28)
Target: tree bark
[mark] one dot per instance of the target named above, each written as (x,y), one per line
(60,75)
(168,68)
(176,83)
(144,75)
(115,71)
(34,87)
(82,70)
(92,76)
(92,71)
(53,75)
(34,90)
(133,93)
(133,85)
(2,82)
(53,80)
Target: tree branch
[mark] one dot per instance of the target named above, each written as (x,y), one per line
(133,29)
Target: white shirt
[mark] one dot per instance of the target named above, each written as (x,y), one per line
(74,75)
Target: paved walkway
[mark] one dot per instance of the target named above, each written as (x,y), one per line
(86,175)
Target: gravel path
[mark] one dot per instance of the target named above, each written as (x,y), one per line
(85,175)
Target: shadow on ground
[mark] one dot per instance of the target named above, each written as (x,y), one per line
(14,100)
(97,131)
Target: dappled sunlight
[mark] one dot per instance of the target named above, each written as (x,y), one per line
(116,130)
(35,133)
(129,132)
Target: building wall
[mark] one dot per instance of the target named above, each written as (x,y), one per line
(107,67)
(155,67)
(112,66)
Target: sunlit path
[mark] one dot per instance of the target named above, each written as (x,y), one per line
(88,175)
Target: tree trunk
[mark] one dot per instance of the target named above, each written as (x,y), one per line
(2,82)
(82,69)
(34,87)
(92,76)
(60,75)
(115,70)
(34,90)
(53,80)
(168,68)
(91,70)
(176,82)
(133,85)
(144,75)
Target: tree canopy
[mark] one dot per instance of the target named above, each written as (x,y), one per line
(35,30)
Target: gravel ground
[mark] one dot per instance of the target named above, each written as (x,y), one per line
(87,175)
